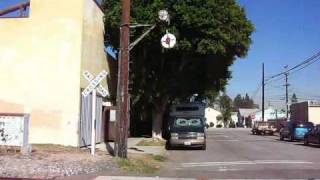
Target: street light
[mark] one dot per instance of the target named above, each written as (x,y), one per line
(164,15)
(167,41)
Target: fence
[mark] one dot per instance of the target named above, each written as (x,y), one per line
(85,121)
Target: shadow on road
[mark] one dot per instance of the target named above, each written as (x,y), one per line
(285,140)
(310,145)
(185,148)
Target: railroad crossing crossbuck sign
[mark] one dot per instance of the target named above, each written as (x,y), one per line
(95,83)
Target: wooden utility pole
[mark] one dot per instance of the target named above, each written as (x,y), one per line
(123,81)
(263,91)
(287,101)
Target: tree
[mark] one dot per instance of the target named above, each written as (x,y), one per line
(225,104)
(294,98)
(245,102)
(211,34)
(237,102)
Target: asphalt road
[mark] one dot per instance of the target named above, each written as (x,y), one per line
(235,153)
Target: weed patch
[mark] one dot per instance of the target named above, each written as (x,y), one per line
(152,142)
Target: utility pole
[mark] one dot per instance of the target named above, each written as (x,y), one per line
(287,101)
(123,82)
(123,98)
(263,92)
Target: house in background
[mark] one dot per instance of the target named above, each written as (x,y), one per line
(43,56)
(269,113)
(245,117)
(234,117)
(211,115)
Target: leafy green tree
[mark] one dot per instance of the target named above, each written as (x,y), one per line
(237,102)
(294,98)
(225,104)
(211,34)
(243,102)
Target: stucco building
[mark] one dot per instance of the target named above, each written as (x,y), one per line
(308,111)
(42,58)
(211,115)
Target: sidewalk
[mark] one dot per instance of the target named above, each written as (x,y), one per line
(128,178)
(133,148)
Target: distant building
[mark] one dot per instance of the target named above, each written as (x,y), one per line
(308,111)
(269,113)
(43,56)
(234,117)
(211,115)
(245,117)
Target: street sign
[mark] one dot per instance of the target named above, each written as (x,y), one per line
(168,40)
(95,83)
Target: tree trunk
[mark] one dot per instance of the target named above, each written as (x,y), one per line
(225,123)
(157,118)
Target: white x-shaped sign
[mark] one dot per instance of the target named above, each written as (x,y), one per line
(95,83)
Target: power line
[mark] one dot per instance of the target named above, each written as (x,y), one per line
(255,93)
(310,63)
(298,67)
(278,86)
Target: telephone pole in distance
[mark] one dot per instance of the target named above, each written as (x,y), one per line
(263,84)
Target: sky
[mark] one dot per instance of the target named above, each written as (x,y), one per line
(8,3)
(287,32)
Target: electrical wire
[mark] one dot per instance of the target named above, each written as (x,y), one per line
(297,67)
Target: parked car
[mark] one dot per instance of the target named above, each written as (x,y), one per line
(187,132)
(295,131)
(313,136)
(187,126)
(263,128)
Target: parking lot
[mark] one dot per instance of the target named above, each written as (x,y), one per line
(236,153)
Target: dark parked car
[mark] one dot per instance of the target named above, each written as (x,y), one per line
(313,136)
(295,131)
(187,132)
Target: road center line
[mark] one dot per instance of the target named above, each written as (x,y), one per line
(257,162)
(218,136)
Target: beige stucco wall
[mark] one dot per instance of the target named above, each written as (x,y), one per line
(41,58)
(314,114)
(93,55)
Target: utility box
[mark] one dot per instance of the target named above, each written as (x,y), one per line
(14,131)
(308,111)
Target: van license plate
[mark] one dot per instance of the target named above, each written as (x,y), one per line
(187,143)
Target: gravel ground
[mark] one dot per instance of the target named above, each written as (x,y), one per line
(50,161)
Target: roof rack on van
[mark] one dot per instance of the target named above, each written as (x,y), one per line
(187,109)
